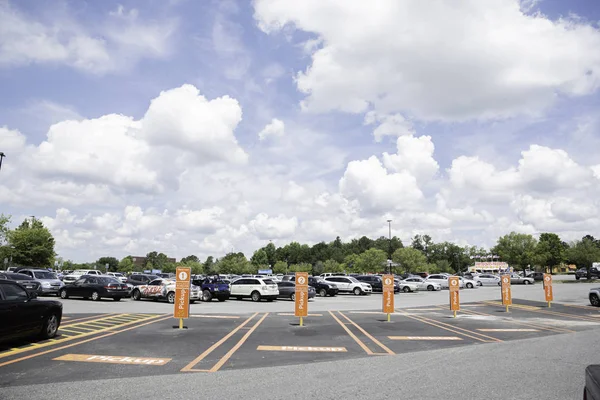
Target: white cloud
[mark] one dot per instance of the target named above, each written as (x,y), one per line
(274,129)
(279,227)
(389,125)
(117,43)
(414,155)
(437,60)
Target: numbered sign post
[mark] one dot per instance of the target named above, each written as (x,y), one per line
(506,291)
(301,301)
(548,289)
(453,285)
(388,295)
(182,294)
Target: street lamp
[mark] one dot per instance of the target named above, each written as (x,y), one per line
(390,245)
(2,155)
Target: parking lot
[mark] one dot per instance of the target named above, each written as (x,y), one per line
(117,345)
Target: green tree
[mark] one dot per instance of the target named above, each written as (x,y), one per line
(410,259)
(208,265)
(301,267)
(4,228)
(350,262)
(125,265)
(280,267)
(332,266)
(271,252)
(583,253)
(517,249)
(113,264)
(33,244)
(259,258)
(550,250)
(372,260)
(151,260)
(234,263)
(191,258)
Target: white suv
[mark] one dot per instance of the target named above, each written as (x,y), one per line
(118,275)
(349,284)
(255,288)
(72,277)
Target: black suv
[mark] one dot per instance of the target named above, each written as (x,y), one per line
(593,273)
(373,280)
(323,288)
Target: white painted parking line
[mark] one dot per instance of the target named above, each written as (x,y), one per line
(424,338)
(303,348)
(508,330)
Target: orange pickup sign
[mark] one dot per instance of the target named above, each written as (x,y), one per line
(301,306)
(548,287)
(506,290)
(453,286)
(388,294)
(182,292)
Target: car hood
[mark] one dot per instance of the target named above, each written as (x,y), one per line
(51,281)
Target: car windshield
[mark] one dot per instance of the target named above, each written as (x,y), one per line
(44,275)
(353,279)
(108,280)
(268,281)
(118,274)
(18,277)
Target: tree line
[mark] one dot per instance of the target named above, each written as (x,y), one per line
(32,244)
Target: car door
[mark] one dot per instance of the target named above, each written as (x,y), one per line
(237,287)
(77,288)
(336,281)
(90,285)
(285,289)
(20,314)
(154,288)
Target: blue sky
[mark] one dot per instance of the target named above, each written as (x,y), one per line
(497,106)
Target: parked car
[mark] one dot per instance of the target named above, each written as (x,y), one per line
(424,284)
(78,273)
(373,280)
(593,273)
(322,287)
(23,315)
(287,290)
(488,279)
(95,287)
(516,279)
(117,275)
(349,284)
(166,275)
(49,282)
(328,274)
(469,283)
(255,288)
(141,279)
(213,288)
(409,286)
(537,276)
(162,289)
(594,296)
(442,280)
(25,280)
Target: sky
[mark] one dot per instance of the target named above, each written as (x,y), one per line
(190,127)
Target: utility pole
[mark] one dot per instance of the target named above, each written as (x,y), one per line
(2,155)
(390,245)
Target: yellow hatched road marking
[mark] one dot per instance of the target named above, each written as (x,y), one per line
(65,338)
(303,348)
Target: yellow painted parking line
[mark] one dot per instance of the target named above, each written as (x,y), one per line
(147,322)
(235,348)
(214,316)
(70,330)
(507,330)
(190,366)
(127,360)
(367,334)
(352,335)
(72,321)
(303,348)
(521,306)
(424,338)
(292,315)
(65,338)
(85,329)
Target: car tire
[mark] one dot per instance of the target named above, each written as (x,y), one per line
(594,300)
(469,285)
(95,296)
(192,301)
(207,295)
(63,294)
(430,288)
(222,299)
(255,296)
(117,299)
(270,300)
(406,289)
(50,326)
(357,291)
(136,295)
(293,296)
(323,292)
(577,277)
(171,297)
(526,282)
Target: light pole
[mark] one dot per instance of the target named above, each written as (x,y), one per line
(2,155)
(390,245)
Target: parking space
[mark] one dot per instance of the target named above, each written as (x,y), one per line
(117,345)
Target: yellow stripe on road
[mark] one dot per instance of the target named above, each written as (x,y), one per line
(303,348)
(508,330)
(424,338)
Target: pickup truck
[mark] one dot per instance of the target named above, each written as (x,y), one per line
(594,273)
(213,287)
